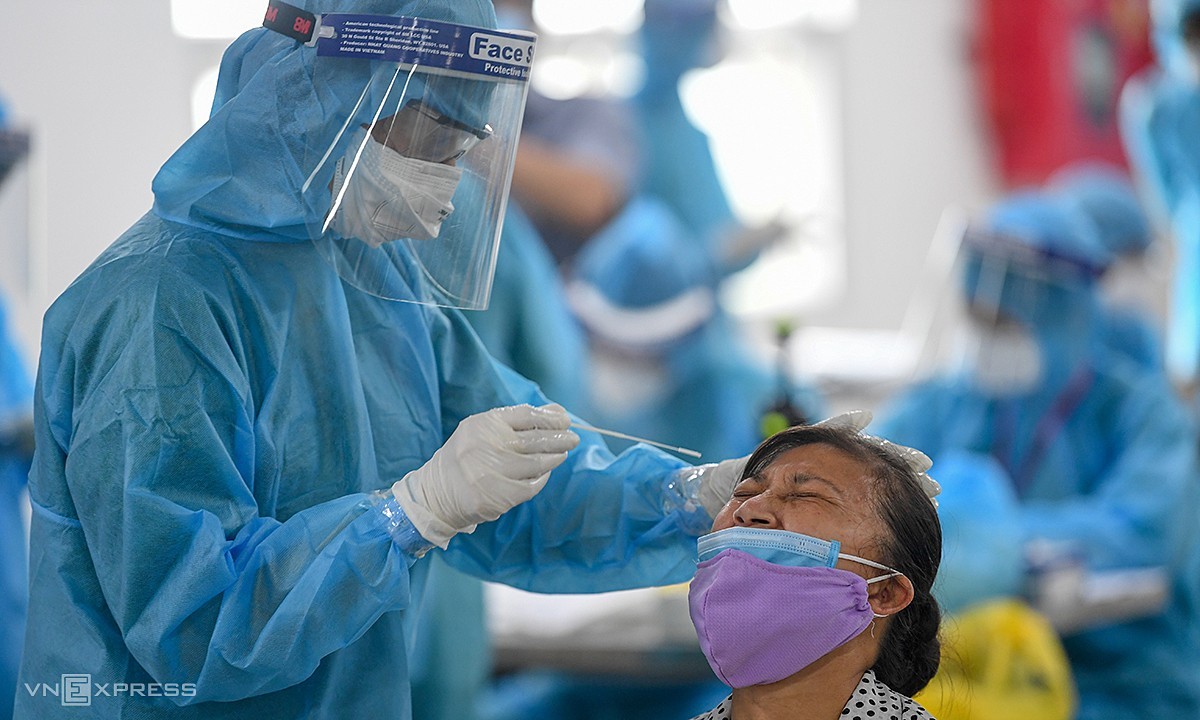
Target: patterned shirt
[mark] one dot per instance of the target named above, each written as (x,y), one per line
(871,700)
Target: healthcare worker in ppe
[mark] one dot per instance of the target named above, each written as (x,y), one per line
(665,359)
(1099,452)
(258,409)
(1160,127)
(1106,197)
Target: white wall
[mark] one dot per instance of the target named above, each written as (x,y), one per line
(108,95)
(106,89)
(913,145)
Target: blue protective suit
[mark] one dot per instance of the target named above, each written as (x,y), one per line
(980,516)
(16,404)
(215,409)
(1100,454)
(1160,124)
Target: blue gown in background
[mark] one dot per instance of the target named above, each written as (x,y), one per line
(16,403)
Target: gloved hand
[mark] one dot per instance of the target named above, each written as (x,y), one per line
(717,481)
(492,461)
(917,461)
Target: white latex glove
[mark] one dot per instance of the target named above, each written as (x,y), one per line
(717,482)
(492,462)
(917,461)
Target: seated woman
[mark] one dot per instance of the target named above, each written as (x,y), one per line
(812,596)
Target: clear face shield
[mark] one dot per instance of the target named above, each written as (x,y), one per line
(1014,294)
(406,197)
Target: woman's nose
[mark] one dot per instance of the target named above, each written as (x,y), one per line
(758,512)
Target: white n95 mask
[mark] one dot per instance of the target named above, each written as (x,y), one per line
(390,196)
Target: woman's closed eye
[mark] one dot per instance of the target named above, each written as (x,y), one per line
(800,495)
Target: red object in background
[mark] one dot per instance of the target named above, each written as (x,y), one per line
(1051,73)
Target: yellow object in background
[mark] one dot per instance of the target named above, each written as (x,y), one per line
(1001,660)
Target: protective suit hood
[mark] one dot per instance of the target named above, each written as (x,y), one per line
(241,174)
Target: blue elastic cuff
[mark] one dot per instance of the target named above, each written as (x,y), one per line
(393,519)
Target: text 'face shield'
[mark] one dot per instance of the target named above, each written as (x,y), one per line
(408,195)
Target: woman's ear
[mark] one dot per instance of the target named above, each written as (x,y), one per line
(890,596)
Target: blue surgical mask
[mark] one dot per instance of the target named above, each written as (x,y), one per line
(781,547)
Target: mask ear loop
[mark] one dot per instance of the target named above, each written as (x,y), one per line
(871,563)
(889,576)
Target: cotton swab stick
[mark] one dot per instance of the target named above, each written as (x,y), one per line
(634,438)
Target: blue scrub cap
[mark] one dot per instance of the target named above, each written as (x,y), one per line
(643,281)
(1050,227)
(1167,33)
(644,257)
(1105,195)
(241,174)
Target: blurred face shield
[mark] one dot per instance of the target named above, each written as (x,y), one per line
(1017,297)
(407,194)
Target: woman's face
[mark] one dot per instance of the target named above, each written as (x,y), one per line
(816,490)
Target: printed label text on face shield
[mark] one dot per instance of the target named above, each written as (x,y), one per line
(434,46)
(497,48)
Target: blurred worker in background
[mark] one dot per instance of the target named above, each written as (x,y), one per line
(678,36)
(666,361)
(260,408)
(16,452)
(1098,452)
(1160,128)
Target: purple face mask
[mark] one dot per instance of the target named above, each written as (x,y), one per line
(759,622)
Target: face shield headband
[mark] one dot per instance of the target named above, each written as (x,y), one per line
(405,197)
(1049,263)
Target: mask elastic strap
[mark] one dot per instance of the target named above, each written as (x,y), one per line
(871,563)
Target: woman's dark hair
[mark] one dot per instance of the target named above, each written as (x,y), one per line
(910,651)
